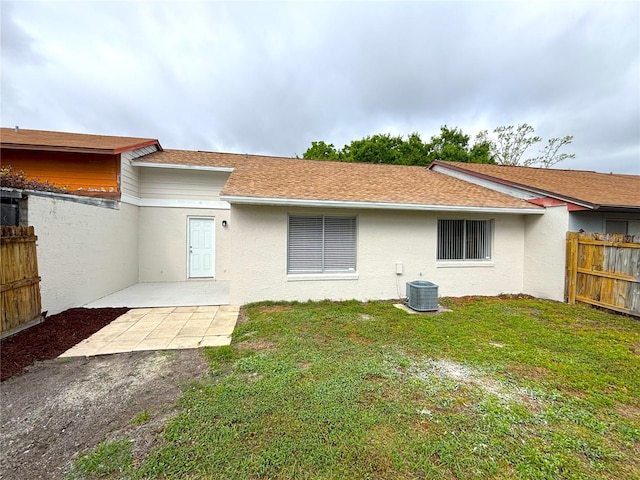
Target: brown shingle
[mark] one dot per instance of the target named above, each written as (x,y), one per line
(598,189)
(288,178)
(63,141)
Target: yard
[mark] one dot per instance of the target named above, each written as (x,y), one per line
(497,388)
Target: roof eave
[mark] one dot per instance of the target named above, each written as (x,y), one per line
(180,166)
(510,183)
(300,202)
(136,146)
(70,149)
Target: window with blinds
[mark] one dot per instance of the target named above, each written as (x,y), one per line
(321,244)
(464,239)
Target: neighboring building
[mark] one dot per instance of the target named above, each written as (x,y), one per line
(292,229)
(574,200)
(83,164)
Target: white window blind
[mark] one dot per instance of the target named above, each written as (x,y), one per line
(319,244)
(464,239)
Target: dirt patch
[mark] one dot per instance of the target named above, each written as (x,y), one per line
(49,339)
(276,308)
(55,409)
(258,346)
(465,375)
(63,407)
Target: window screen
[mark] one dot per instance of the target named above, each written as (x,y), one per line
(464,239)
(319,244)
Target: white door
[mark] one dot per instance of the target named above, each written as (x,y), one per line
(202,248)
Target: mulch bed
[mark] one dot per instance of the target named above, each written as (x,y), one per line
(57,334)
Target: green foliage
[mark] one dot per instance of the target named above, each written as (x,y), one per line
(496,388)
(451,145)
(507,147)
(322,151)
(107,460)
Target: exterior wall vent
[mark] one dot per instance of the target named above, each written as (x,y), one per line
(422,296)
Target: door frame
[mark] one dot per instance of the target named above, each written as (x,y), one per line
(188,249)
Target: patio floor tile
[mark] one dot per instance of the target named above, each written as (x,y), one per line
(219,330)
(185,342)
(153,344)
(185,309)
(159,329)
(207,308)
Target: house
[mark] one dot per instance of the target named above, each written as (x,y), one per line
(290,229)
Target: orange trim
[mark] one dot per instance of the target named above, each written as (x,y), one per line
(139,145)
(572,207)
(554,202)
(547,202)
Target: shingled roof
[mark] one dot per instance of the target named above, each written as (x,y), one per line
(70,142)
(596,190)
(278,180)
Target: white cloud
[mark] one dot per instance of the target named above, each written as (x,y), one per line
(271,77)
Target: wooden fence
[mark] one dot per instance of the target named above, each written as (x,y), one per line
(20,283)
(604,270)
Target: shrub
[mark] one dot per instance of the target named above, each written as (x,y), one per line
(12,179)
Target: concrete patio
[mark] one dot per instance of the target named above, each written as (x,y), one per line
(163,328)
(167,294)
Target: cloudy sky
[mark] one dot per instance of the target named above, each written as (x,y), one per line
(270,77)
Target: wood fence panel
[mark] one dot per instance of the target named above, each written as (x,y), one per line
(604,270)
(19,281)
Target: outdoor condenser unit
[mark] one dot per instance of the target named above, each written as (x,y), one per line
(422,296)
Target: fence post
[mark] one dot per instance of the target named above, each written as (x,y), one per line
(572,267)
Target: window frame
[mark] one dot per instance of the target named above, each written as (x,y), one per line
(489,239)
(324,272)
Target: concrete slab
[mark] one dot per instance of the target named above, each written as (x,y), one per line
(410,311)
(160,329)
(190,294)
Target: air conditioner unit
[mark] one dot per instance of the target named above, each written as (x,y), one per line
(422,296)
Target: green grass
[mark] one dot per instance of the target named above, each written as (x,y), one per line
(141,418)
(107,460)
(497,388)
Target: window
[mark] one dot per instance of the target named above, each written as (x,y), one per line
(464,239)
(616,226)
(319,244)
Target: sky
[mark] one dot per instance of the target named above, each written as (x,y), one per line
(271,77)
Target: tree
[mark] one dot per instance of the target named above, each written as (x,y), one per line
(452,145)
(511,143)
(322,151)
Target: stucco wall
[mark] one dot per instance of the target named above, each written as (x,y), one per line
(84,252)
(259,246)
(544,257)
(163,243)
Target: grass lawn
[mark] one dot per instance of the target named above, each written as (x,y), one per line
(497,388)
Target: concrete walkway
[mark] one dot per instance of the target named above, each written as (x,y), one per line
(161,329)
(167,294)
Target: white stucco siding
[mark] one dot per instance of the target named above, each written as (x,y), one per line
(163,243)
(544,257)
(259,249)
(181,184)
(84,252)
